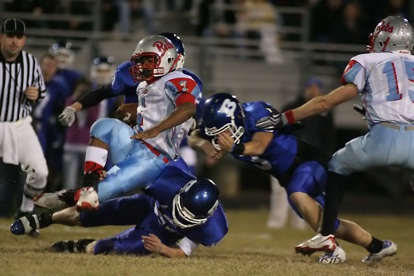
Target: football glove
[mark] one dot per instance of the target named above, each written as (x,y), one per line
(67,117)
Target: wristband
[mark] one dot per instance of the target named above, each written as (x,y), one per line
(289,117)
(238,149)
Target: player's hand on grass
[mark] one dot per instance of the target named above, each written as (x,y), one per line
(152,243)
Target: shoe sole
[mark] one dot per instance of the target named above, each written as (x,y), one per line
(307,251)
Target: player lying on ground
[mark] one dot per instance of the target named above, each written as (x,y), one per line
(246,131)
(176,209)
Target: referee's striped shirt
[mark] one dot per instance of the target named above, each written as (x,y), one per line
(15,77)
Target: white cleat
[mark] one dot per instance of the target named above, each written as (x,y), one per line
(317,243)
(57,200)
(88,200)
(336,257)
(388,249)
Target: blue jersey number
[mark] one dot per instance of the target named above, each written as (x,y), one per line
(391,73)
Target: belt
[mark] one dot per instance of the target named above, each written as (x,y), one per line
(395,126)
(156,152)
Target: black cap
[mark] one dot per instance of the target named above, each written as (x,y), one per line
(13,26)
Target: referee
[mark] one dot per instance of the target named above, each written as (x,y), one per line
(21,85)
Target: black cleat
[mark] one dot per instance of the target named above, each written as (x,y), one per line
(74,246)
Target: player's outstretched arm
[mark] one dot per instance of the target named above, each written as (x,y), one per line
(153,243)
(67,117)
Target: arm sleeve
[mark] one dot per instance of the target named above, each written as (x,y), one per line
(187,245)
(94,97)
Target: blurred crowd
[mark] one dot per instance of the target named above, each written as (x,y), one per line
(338,21)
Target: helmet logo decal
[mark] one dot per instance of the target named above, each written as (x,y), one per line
(228,107)
(385,28)
(163,46)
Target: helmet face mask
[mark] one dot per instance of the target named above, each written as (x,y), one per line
(195,203)
(223,112)
(154,56)
(393,33)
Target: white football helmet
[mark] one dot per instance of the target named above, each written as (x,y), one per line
(64,54)
(102,70)
(154,56)
(393,33)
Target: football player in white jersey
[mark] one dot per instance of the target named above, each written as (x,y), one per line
(166,104)
(384,78)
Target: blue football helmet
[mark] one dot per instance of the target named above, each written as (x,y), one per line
(102,70)
(222,112)
(179,46)
(64,53)
(195,203)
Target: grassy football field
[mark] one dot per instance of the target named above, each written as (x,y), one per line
(248,249)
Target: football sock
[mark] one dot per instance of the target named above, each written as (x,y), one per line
(45,219)
(375,246)
(27,204)
(72,246)
(335,190)
(95,160)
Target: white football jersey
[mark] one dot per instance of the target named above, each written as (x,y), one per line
(385,82)
(156,101)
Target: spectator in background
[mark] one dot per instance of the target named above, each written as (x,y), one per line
(318,131)
(324,15)
(51,134)
(129,10)
(353,27)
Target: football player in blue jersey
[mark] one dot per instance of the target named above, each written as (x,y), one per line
(65,57)
(176,209)
(247,132)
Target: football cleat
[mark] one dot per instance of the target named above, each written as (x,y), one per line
(338,256)
(75,246)
(317,243)
(56,200)
(388,249)
(88,200)
(28,224)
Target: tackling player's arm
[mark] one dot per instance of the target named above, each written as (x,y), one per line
(196,141)
(67,117)
(260,141)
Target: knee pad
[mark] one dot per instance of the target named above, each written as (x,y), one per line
(36,180)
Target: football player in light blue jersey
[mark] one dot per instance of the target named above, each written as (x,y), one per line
(126,76)
(247,132)
(384,79)
(176,209)
(123,83)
